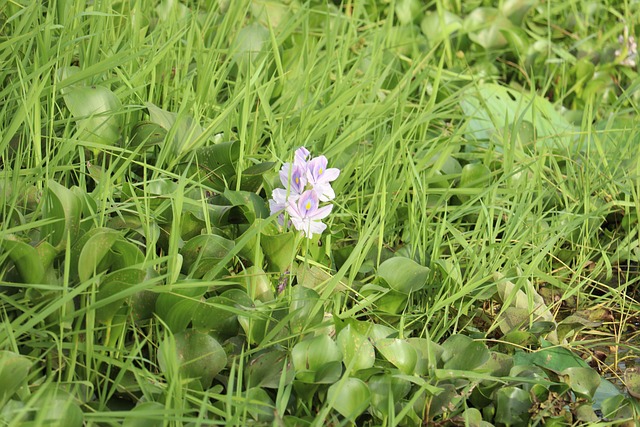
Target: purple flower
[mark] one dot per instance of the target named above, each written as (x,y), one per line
(306,183)
(301,156)
(306,215)
(293,178)
(319,177)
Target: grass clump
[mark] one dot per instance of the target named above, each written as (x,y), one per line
(480,261)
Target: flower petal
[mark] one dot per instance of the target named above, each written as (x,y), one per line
(330,174)
(321,212)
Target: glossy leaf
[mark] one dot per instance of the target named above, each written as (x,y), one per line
(583,381)
(350,397)
(14,369)
(198,356)
(512,406)
(317,360)
(266,368)
(357,349)
(26,259)
(203,252)
(94,252)
(62,210)
(463,353)
(403,274)
(399,352)
(218,164)
(185,129)
(147,134)
(112,289)
(98,112)
(145,414)
(177,308)
(219,313)
(303,309)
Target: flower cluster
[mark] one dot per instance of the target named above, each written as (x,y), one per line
(307,183)
(628,51)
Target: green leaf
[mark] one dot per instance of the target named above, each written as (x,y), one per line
(252,176)
(317,360)
(631,381)
(493,110)
(219,313)
(350,397)
(203,252)
(463,353)
(403,274)
(196,354)
(147,134)
(259,405)
(387,391)
(218,164)
(357,349)
(436,29)
(248,44)
(486,26)
(474,176)
(429,355)
(555,358)
(145,414)
(399,352)
(94,252)
(98,113)
(265,369)
(177,308)
(408,11)
(26,259)
(251,205)
(279,249)
(512,406)
(63,209)
(185,129)
(111,289)
(14,369)
(583,381)
(257,284)
(301,309)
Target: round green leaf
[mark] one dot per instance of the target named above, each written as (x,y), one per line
(62,209)
(317,359)
(14,369)
(145,414)
(631,381)
(357,349)
(301,310)
(257,284)
(583,381)
(350,397)
(387,390)
(94,252)
(403,274)
(198,356)
(26,259)
(203,252)
(265,369)
(249,43)
(512,406)
(463,353)
(97,111)
(177,308)
(400,353)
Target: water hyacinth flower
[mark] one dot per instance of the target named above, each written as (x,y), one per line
(306,182)
(306,215)
(319,177)
(628,51)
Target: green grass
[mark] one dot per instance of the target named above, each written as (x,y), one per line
(158,231)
